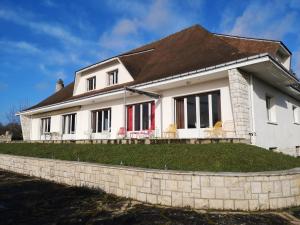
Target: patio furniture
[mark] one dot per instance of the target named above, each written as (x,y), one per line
(216,131)
(171,132)
(121,132)
(142,134)
(55,136)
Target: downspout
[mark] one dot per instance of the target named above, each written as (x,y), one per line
(253,132)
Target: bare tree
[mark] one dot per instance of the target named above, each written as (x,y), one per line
(13,125)
(11,116)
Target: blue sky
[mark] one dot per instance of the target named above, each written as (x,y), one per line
(43,40)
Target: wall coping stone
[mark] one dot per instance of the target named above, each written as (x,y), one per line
(175,172)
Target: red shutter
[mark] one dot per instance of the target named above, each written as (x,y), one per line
(129,118)
(152,115)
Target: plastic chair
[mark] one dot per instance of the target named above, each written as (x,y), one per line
(171,132)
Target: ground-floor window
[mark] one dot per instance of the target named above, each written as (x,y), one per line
(101,120)
(69,123)
(141,116)
(46,125)
(198,111)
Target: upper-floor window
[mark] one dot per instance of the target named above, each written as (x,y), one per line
(112,77)
(46,125)
(101,120)
(69,123)
(91,83)
(270,106)
(296,114)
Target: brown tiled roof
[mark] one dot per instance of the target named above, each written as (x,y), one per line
(190,49)
(251,46)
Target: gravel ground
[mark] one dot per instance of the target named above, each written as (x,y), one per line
(27,200)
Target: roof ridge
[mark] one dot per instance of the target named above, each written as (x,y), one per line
(248,38)
(164,38)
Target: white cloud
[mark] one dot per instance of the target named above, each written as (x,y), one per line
(19,17)
(22,46)
(267,19)
(158,18)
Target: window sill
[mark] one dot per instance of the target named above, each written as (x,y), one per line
(110,85)
(272,123)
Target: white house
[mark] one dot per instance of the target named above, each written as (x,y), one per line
(193,79)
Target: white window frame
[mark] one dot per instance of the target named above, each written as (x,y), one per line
(198,116)
(271,109)
(93,80)
(140,105)
(46,125)
(102,122)
(113,77)
(296,114)
(66,125)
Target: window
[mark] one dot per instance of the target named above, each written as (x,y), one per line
(141,116)
(145,120)
(270,109)
(91,83)
(209,110)
(113,77)
(216,107)
(101,120)
(191,112)
(204,111)
(137,117)
(69,123)
(180,113)
(46,125)
(296,114)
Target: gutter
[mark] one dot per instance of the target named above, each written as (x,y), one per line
(187,74)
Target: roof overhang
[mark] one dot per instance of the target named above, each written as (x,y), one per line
(255,64)
(275,74)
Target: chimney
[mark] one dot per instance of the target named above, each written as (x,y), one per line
(59,85)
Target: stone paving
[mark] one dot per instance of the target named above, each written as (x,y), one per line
(27,200)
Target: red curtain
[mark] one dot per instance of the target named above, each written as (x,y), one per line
(129,118)
(152,115)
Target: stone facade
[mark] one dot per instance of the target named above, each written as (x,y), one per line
(198,190)
(26,125)
(240,100)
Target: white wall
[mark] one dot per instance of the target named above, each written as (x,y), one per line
(164,107)
(101,78)
(168,103)
(285,134)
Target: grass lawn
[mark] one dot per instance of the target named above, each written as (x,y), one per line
(206,157)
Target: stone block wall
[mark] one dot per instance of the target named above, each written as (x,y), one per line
(240,99)
(26,126)
(198,190)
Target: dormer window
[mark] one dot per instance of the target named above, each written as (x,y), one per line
(91,83)
(112,77)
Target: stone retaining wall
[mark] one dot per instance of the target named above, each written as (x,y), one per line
(199,190)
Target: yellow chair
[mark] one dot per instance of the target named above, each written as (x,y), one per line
(216,131)
(171,132)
